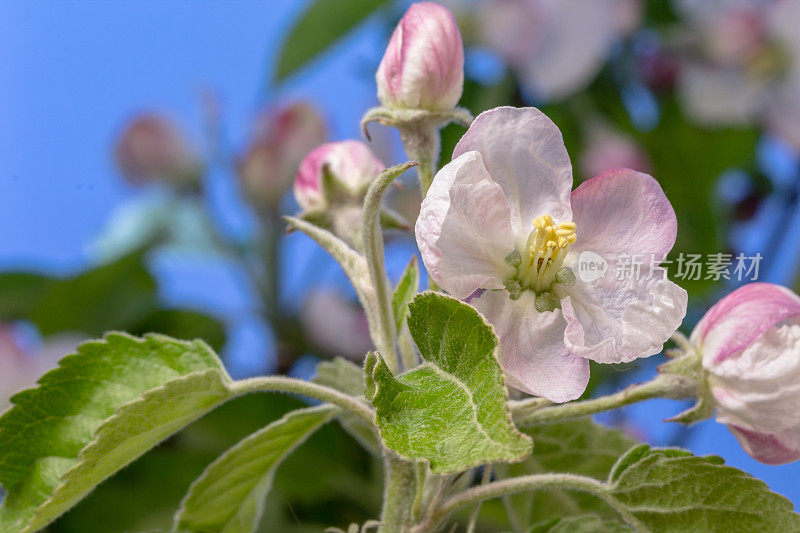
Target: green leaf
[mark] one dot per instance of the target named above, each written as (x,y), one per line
(120,295)
(406,288)
(586,523)
(451,411)
(346,377)
(579,447)
(100,409)
(672,490)
(322,24)
(342,375)
(229,496)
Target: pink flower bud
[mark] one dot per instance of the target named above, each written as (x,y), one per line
(152,148)
(280,139)
(336,324)
(423,67)
(750,347)
(351,163)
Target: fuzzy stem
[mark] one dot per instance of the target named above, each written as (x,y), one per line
(306,388)
(373,252)
(533,411)
(510,486)
(399,494)
(422,143)
(476,508)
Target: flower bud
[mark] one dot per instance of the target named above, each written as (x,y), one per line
(280,139)
(151,148)
(351,167)
(750,347)
(423,67)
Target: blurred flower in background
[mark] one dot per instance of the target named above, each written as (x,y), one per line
(607,148)
(152,148)
(23,359)
(281,138)
(556,48)
(335,324)
(741,63)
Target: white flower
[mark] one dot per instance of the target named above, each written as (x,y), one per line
(500,217)
(750,347)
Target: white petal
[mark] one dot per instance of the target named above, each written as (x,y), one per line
(534,356)
(464,228)
(616,321)
(720,97)
(759,388)
(525,154)
(770,448)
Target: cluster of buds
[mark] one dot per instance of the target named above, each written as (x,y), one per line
(745,358)
(151,148)
(280,140)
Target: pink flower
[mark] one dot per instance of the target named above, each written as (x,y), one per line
(351,164)
(501,217)
(281,138)
(152,148)
(423,67)
(750,347)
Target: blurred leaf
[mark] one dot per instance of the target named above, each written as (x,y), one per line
(322,24)
(107,404)
(229,495)
(120,295)
(348,378)
(406,289)
(452,410)
(579,447)
(144,495)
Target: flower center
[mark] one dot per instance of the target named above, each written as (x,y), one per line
(547,246)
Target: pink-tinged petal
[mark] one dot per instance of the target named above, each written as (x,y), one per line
(464,229)
(525,154)
(423,67)
(352,163)
(623,212)
(741,317)
(770,448)
(616,321)
(759,387)
(535,359)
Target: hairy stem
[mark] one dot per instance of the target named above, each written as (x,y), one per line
(306,388)
(373,252)
(399,494)
(516,485)
(534,411)
(476,508)
(422,143)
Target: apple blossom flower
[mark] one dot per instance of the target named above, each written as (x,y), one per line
(423,66)
(749,342)
(742,64)
(281,138)
(152,148)
(555,47)
(350,163)
(500,218)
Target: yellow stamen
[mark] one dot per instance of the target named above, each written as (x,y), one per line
(547,247)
